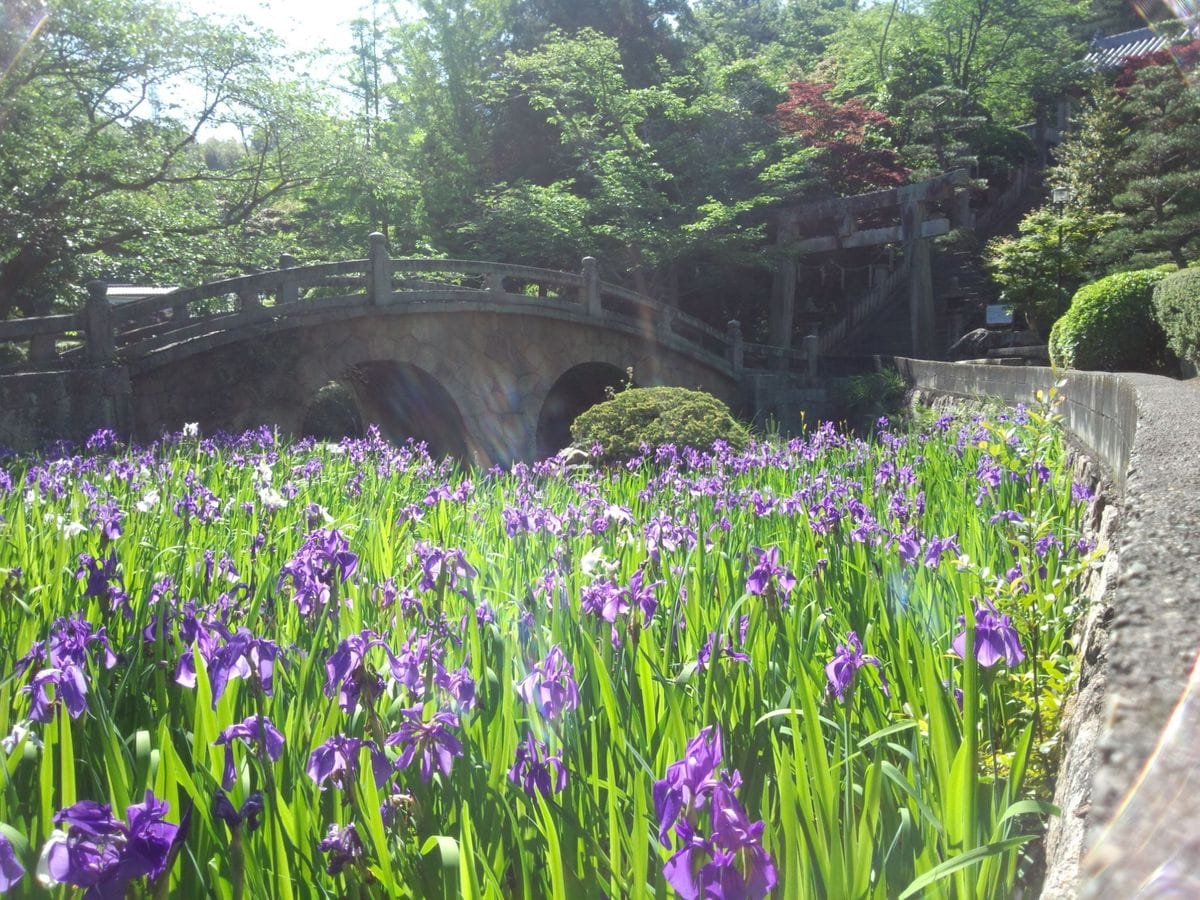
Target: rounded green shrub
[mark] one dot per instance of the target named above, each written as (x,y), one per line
(656,416)
(1111,326)
(1177,309)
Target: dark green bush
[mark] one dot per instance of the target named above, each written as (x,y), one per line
(655,416)
(333,415)
(1177,309)
(1111,326)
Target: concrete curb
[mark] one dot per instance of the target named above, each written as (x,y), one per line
(1134,759)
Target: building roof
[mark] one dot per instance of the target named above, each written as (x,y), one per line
(1112,51)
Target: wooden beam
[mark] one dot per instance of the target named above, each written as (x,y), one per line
(871,237)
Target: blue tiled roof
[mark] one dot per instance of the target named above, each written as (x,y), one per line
(1112,51)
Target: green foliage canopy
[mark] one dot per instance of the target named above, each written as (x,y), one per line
(103,104)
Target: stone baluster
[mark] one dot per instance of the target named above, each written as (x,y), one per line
(666,323)
(248,299)
(737,349)
(812,349)
(591,286)
(288,291)
(379,272)
(98,322)
(494,282)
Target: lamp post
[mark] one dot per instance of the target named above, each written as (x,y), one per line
(1060,196)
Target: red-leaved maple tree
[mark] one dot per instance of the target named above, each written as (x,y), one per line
(849,160)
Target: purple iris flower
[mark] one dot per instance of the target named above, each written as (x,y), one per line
(685,871)
(536,769)
(995,639)
(438,564)
(102,854)
(908,544)
(343,846)
(348,673)
(104,581)
(718,646)
(846,662)
(936,547)
(431,739)
(730,863)
(11,869)
(337,759)
(458,684)
(247,816)
(769,577)
(66,653)
(249,729)
(738,840)
(324,560)
(550,685)
(730,860)
(410,665)
(688,781)
(243,656)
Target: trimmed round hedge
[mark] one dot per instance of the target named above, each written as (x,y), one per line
(1177,309)
(656,416)
(1111,326)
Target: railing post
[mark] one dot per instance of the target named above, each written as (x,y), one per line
(812,349)
(591,286)
(494,281)
(666,327)
(248,300)
(288,291)
(737,349)
(379,275)
(98,322)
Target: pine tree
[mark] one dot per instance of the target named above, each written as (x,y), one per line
(1160,167)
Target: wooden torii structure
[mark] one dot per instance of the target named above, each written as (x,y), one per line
(827,225)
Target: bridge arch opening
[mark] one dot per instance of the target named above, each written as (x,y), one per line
(404,401)
(576,390)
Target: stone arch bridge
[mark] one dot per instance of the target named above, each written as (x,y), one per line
(487,361)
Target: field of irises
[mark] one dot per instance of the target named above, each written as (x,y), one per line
(831,667)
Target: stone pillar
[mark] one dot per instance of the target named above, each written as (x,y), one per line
(812,350)
(494,282)
(737,349)
(961,214)
(288,291)
(920,278)
(98,319)
(591,286)
(379,271)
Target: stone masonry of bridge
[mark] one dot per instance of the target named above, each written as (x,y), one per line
(487,361)
(498,370)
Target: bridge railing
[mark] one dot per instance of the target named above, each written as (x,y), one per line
(104,332)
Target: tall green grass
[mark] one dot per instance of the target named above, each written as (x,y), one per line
(916,793)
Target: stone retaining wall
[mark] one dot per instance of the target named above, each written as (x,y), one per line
(1130,826)
(38,408)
